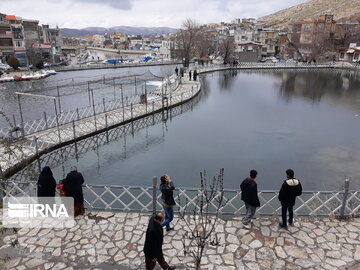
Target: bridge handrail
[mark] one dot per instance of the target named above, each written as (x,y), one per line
(141,199)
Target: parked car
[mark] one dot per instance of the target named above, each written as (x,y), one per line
(4,66)
(92,64)
(271,59)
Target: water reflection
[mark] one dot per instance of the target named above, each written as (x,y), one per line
(314,86)
(267,120)
(227,79)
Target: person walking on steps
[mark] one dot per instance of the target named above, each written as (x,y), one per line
(249,196)
(166,188)
(153,243)
(290,189)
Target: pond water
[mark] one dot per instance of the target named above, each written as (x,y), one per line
(269,121)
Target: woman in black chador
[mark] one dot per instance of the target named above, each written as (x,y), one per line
(46,183)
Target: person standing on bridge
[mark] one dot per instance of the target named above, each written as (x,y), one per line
(73,188)
(189,74)
(249,196)
(167,187)
(176,71)
(287,196)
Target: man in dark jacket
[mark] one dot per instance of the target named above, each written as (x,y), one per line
(249,196)
(73,188)
(153,243)
(287,195)
(166,188)
(46,183)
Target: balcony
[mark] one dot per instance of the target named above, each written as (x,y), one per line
(6,47)
(6,35)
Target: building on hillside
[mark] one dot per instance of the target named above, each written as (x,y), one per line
(310,37)
(165,49)
(350,54)
(248,51)
(6,38)
(268,38)
(19,40)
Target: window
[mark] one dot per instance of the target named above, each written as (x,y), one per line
(18,44)
(264,49)
(342,55)
(307,27)
(320,27)
(356,56)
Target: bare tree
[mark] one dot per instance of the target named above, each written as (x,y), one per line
(201,224)
(295,44)
(227,48)
(186,40)
(204,45)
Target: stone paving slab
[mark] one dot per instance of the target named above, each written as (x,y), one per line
(115,241)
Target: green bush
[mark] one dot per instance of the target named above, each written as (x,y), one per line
(13,62)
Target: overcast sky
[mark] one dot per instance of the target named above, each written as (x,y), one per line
(150,13)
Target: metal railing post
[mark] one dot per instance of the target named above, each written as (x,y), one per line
(37,153)
(58,95)
(154,194)
(107,128)
(104,105)
(77,114)
(57,121)
(131,107)
(46,122)
(1,173)
(346,193)
(74,131)
(93,105)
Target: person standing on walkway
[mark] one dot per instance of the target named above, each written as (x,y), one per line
(72,187)
(195,75)
(249,196)
(46,184)
(167,196)
(176,71)
(287,196)
(153,243)
(190,75)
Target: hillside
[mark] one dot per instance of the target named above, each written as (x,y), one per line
(123,29)
(343,10)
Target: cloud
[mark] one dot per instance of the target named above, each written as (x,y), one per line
(150,13)
(117,4)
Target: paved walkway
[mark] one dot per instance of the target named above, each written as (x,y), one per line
(115,241)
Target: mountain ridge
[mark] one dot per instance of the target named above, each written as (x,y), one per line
(129,30)
(343,11)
